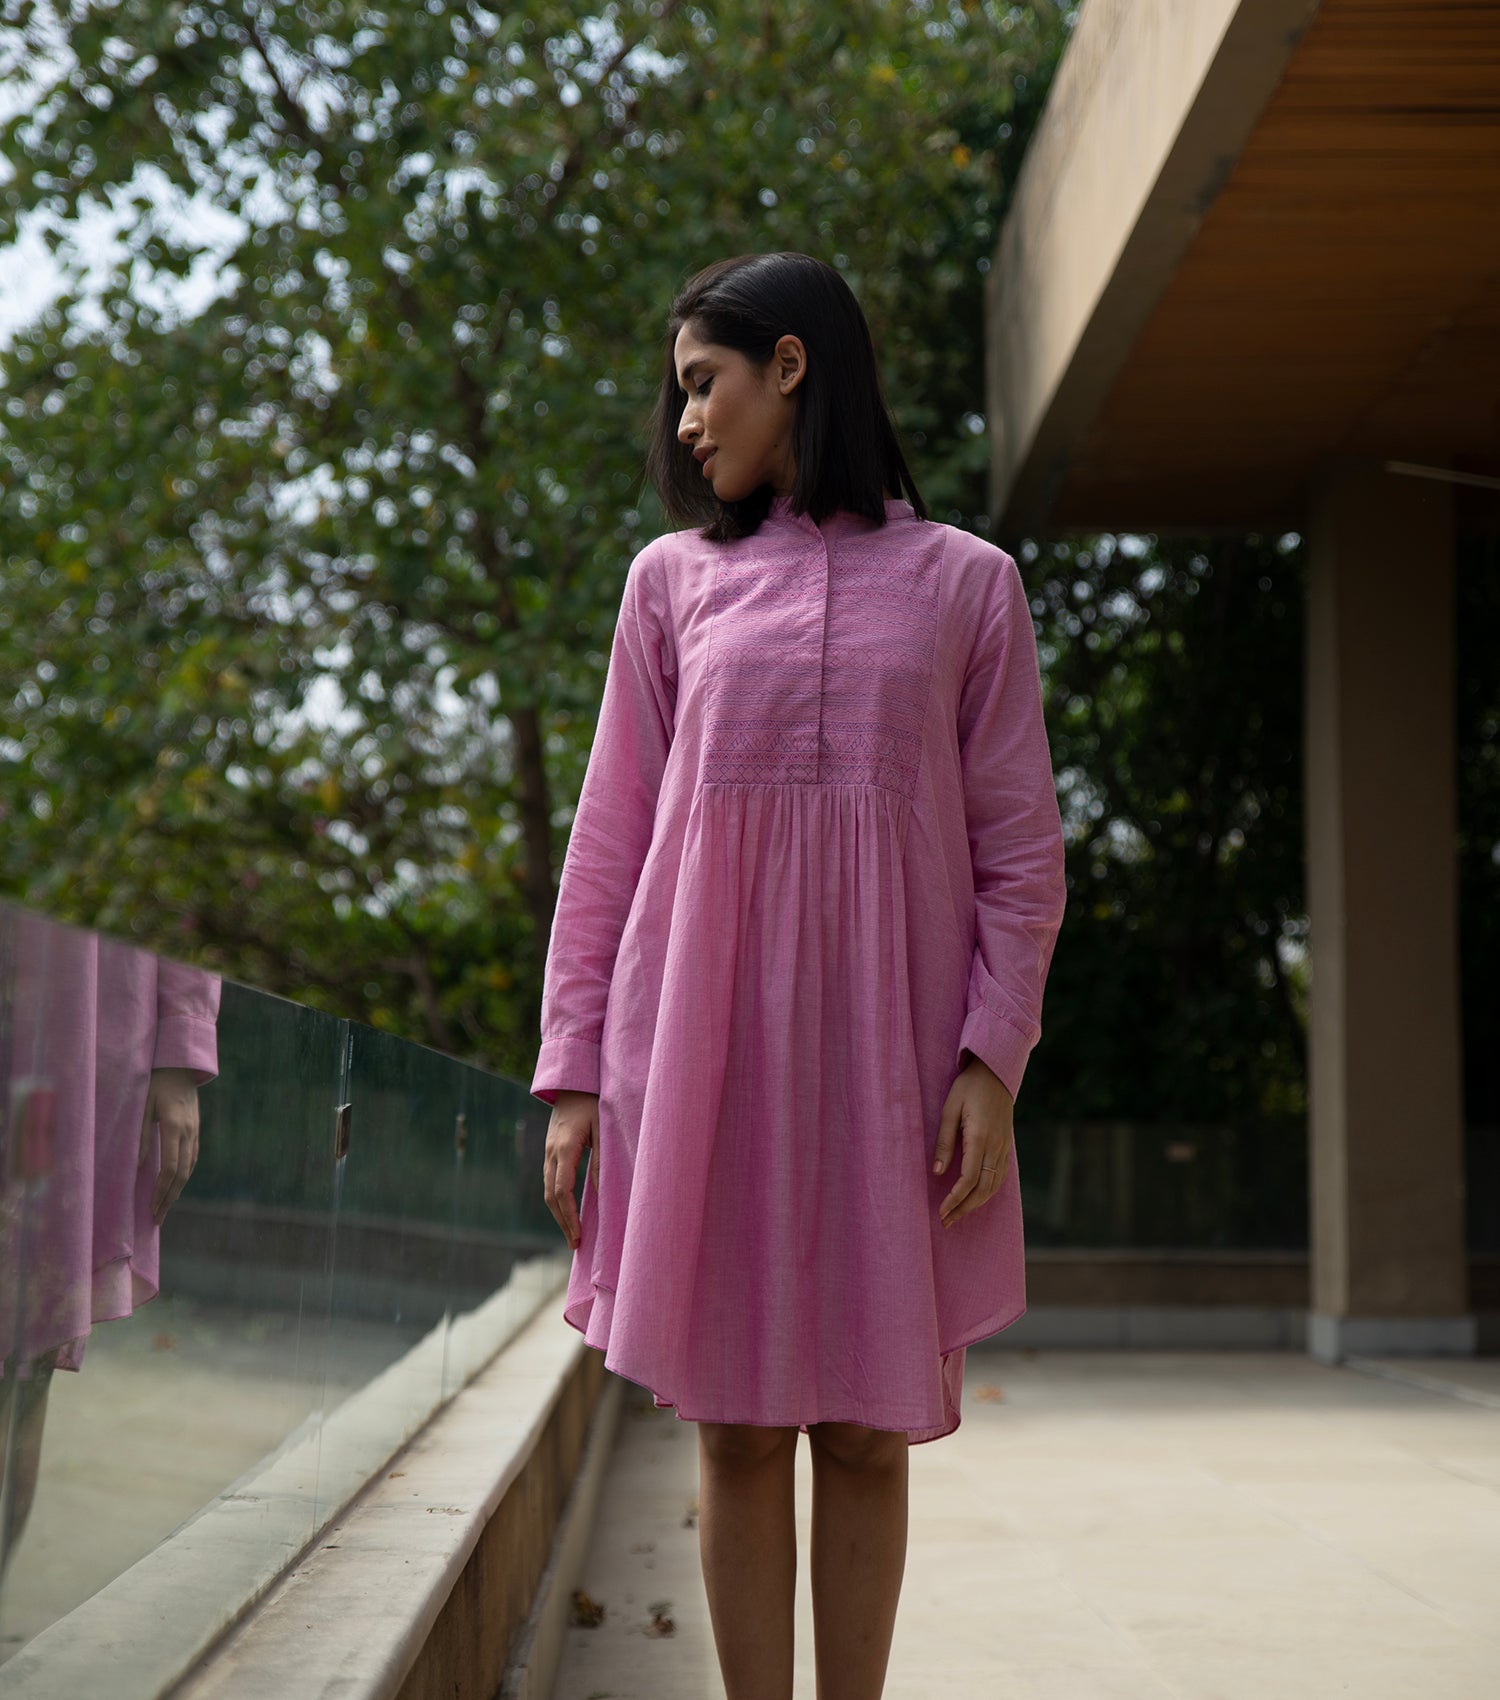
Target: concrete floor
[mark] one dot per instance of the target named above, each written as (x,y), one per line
(1132,1525)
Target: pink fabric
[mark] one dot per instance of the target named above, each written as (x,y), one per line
(90,1017)
(816,856)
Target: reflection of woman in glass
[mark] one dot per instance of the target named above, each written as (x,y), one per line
(103,1048)
(805,918)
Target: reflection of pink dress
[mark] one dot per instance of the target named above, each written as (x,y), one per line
(817,856)
(90,1018)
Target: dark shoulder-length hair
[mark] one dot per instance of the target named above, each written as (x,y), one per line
(844,439)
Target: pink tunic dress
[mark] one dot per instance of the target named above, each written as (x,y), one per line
(817,856)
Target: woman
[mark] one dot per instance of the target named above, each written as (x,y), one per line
(803,926)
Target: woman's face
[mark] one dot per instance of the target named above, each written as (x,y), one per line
(738,417)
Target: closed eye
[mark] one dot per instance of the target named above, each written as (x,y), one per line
(703,388)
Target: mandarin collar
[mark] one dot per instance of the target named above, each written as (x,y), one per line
(896,507)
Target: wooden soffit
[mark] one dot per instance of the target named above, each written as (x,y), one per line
(1249,236)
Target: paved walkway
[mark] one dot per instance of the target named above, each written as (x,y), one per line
(1121,1526)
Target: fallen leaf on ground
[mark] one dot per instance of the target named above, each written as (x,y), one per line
(586,1613)
(991,1394)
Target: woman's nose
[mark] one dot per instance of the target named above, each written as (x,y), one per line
(687,427)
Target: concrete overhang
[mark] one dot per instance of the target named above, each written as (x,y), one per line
(1248,237)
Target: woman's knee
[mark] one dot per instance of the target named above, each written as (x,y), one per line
(744,1445)
(856,1447)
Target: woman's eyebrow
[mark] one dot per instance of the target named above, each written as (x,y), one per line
(687,372)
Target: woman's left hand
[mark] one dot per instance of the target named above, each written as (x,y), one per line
(980,1106)
(173,1101)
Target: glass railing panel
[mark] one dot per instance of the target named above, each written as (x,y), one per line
(394,1184)
(246,1250)
(151,1366)
(1233,1186)
(503,1237)
(433,1225)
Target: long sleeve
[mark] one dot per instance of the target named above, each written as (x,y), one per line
(187,1019)
(1015,833)
(611,832)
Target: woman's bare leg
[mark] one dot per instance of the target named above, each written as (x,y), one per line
(858,1554)
(747,1533)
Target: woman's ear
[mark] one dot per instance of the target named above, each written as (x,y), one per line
(791,363)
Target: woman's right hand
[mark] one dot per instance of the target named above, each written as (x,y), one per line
(573,1129)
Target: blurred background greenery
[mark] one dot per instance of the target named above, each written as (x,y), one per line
(321,469)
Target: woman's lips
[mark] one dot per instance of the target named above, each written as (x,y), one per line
(708,461)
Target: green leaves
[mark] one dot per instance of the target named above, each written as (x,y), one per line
(1178,989)
(311,570)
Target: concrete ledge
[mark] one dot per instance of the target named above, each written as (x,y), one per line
(419,1588)
(1260,1327)
(1172,1277)
(159,1619)
(537,1649)
(1214,1326)
(1331,1338)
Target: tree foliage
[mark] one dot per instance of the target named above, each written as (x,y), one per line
(391,464)
(1175,706)
(316,494)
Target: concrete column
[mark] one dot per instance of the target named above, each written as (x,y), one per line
(1388,1265)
